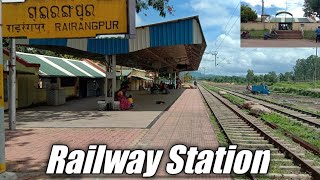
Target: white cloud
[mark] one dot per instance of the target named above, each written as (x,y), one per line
(139,20)
(293,6)
(214,17)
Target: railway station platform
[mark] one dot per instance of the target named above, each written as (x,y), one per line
(185,122)
(83,113)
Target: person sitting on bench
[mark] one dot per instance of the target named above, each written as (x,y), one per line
(163,88)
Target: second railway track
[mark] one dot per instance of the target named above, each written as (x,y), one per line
(297,114)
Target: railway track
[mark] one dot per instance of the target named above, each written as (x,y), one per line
(296,114)
(247,132)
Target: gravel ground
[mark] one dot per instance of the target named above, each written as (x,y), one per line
(307,103)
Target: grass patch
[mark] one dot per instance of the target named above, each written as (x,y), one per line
(309,155)
(310,111)
(310,35)
(297,85)
(222,139)
(234,99)
(257,34)
(214,89)
(296,91)
(296,128)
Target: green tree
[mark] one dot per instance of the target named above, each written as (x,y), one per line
(311,6)
(187,77)
(289,76)
(162,6)
(250,76)
(248,14)
(305,69)
(272,77)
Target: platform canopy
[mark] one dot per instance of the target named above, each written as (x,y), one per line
(171,46)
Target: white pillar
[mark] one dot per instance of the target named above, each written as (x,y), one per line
(175,80)
(12,87)
(106,80)
(114,76)
(110,79)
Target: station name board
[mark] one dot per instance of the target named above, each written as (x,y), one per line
(65,18)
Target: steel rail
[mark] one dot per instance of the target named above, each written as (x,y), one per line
(299,161)
(316,124)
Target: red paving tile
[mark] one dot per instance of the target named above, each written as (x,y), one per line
(28,150)
(186,122)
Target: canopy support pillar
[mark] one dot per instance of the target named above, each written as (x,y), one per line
(110,81)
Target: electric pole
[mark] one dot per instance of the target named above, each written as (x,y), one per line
(262,16)
(215,58)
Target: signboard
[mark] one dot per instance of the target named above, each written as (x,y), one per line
(65,18)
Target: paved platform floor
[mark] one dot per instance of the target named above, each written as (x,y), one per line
(256,43)
(83,113)
(186,122)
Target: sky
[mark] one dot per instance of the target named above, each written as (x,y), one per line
(220,20)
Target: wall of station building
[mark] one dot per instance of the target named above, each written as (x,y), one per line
(28,92)
(260,26)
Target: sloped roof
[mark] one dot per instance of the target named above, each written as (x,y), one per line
(178,45)
(60,67)
(289,20)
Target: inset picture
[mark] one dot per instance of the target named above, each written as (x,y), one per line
(274,23)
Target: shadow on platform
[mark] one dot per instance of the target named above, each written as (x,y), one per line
(83,113)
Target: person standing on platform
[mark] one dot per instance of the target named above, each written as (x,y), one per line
(318,34)
(96,88)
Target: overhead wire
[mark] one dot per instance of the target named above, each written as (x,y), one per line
(225,28)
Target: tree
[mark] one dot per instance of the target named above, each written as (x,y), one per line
(187,77)
(250,76)
(305,69)
(289,76)
(162,6)
(272,77)
(311,6)
(248,14)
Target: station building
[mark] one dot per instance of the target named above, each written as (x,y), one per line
(283,22)
(38,76)
(168,47)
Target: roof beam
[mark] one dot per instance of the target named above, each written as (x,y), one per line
(161,59)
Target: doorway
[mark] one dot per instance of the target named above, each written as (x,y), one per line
(83,88)
(285,26)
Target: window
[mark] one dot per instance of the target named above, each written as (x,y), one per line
(68,82)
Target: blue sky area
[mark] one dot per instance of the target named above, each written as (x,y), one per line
(221,25)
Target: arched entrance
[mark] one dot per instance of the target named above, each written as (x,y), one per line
(286,25)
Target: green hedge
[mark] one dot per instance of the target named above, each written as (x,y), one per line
(310,35)
(257,34)
(302,92)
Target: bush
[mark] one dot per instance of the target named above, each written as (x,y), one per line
(302,92)
(257,34)
(309,35)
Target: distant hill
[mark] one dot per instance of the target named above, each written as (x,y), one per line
(196,74)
